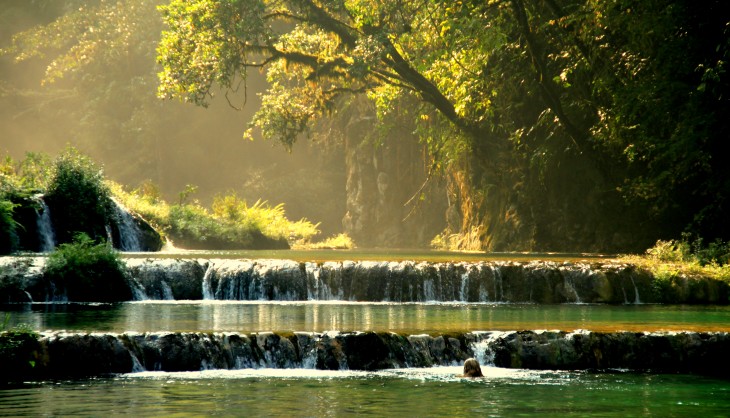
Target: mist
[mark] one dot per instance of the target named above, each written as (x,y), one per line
(139,138)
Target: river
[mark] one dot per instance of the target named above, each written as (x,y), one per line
(407,392)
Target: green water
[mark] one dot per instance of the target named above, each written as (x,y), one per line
(404,392)
(412,392)
(413,318)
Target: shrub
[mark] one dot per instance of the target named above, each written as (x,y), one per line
(337,242)
(230,223)
(270,220)
(685,250)
(88,272)
(669,251)
(194,223)
(80,200)
(463,241)
(18,350)
(8,235)
(717,252)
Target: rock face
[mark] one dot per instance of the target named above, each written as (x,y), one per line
(371,281)
(685,352)
(61,355)
(167,279)
(389,203)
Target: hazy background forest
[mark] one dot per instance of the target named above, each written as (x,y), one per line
(544,125)
(109,111)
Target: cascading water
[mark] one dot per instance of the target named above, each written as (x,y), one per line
(207,287)
(482,347)
(46,236)
(464,287)
(128,230)
(405,281)
(92,354)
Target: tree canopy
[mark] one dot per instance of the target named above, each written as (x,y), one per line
(554,124)
(563,117)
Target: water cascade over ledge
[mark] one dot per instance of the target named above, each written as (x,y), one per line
(129,231)
(62,355)
(46,236)
(401,281)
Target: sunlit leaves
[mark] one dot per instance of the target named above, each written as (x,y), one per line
(105,31)
(525,85)
(207,42)
(285,113)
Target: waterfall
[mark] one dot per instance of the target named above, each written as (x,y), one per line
(138,290)
(483,346)
(166,291)
(46,237)
(128,230)
(81,355)
(406,281)
(499,294)
(367,281)
(571,285)
(207,286)
(463,290)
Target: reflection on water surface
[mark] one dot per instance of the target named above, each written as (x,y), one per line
(414,318)
(404,392)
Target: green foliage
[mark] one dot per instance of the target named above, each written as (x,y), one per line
(206,37)
(8,225)
(678,265)
(230,222)
(664,284)
(17,349)
(687,251)
(717,252)
(537,91)
(673,251)
(35,170)
(183,196)
(27,176)
(19,182)
(450,241)
(193,223)
(88,272)
(337,242)
(271,220)
(77,186)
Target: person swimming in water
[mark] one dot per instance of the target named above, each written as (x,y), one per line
(472,368)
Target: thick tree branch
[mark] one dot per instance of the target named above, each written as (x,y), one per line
(325,20)
(545,81)
(428,91)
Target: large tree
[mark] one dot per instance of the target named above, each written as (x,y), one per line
(559,124)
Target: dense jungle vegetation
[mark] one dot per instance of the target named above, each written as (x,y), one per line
(553,125)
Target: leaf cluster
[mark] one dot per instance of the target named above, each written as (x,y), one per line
(86,271)
(336,242)
(8,226)
(687,250)
(17,349)
(77,186)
